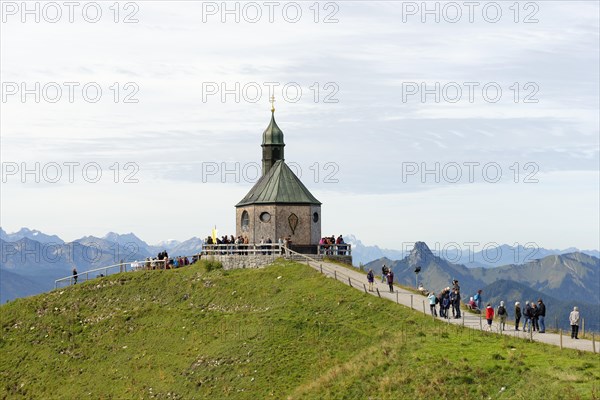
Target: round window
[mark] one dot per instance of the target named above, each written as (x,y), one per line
(265,217)
(316,217)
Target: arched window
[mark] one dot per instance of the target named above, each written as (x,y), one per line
(245,220)
(316,217)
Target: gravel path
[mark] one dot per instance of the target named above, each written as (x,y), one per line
(418,302)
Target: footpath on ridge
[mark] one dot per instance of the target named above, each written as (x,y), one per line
(420,303)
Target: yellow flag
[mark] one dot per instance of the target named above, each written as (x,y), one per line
(214,235)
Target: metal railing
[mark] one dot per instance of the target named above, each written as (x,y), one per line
(129,266)
(344,249)
(340,276)
(243,249)
(85,276)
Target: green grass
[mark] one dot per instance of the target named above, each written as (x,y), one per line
(280,332)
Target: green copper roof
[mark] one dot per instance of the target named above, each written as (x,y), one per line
(279,185)
(272,135)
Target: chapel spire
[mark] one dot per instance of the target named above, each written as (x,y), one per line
(272,143)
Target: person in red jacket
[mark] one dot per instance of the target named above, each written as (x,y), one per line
(489,315)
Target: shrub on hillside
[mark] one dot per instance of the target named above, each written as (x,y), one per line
(212,265)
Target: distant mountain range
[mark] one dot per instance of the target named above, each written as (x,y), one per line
(565,280)
(31,260)
(485,255)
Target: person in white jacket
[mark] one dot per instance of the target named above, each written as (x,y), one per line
(574,320)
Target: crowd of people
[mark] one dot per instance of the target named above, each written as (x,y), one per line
(331,246)
(225,239)
(533,314)
(163,261)
(448,302)
(241,244)
(328,245)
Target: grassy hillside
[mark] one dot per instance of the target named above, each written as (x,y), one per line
(281,332)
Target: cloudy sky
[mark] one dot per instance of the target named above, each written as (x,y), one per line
(453,123)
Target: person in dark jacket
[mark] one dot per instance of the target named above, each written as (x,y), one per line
(446,304)
(527,315)
(384,272)
(534,316)
(541,315)
(75,276)
(370,278)
(440,300)
(455,300)
(517,315)
(390,279)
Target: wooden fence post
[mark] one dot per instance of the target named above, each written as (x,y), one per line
(378,294)
(530,334)
(424,307)
(582,327)
(560,333)
(411,301)
(365,286)
(397,298)
(335,274)
(480,323)
(349,282)
(593,343)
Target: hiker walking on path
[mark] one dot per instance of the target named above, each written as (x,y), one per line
(370,278)
(432,301)
(541,316)
(574,321)
(502,314)
(489,315)
(75,276)
(517,315)
(390,279)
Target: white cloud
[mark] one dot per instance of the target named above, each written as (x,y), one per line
(369,133)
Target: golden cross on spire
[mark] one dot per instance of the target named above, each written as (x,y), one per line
(272,103)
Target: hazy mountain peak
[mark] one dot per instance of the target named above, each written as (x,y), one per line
(168,244)
(420,254)
(32,234)
(113,236)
